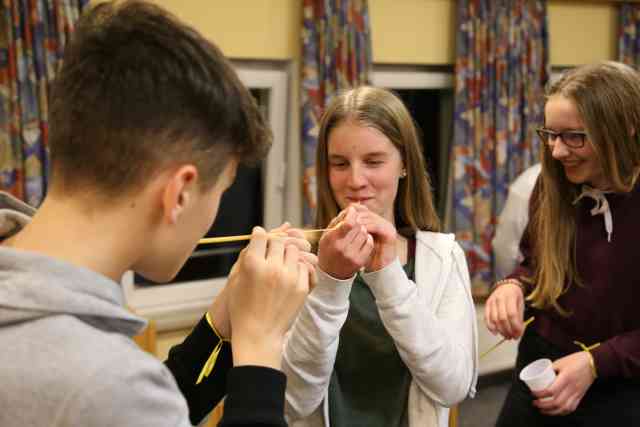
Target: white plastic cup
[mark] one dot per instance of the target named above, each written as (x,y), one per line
(538,375)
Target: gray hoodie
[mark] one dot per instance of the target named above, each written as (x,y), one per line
(66,354)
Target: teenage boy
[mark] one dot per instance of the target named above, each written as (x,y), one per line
(148,122)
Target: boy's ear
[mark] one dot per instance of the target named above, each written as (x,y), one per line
(178,192)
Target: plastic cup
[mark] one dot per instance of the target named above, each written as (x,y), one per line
(538,375)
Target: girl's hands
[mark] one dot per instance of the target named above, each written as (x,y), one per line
(574,377)
(346,248)
(384,238)
(504,311)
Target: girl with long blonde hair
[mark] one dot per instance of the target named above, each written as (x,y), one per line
(579,276)
(387,337)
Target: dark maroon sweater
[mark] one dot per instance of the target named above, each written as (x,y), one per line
(606,308)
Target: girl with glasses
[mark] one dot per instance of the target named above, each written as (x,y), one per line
(579,277)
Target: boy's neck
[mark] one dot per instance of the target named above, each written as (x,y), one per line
(106,240)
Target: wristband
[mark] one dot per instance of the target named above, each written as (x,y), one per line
(588,351)
(211,361)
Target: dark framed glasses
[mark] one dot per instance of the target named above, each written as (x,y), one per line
(570,138)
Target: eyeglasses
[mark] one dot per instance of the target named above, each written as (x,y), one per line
(570,138)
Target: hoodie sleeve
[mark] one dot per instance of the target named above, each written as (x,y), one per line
(311,346)
(126,390)
(437,343)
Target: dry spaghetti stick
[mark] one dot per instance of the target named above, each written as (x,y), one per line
(529,320)
(226,239)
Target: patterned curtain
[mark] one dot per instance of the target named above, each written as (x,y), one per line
(336,55)
(501,68)
(629,34)
(33,34)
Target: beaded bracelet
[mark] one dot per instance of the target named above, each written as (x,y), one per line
(511,282)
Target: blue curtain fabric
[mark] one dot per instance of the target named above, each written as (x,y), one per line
(336,55)
(33,34)
(629,34)
(501,69)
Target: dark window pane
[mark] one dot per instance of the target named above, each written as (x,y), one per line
(424,106)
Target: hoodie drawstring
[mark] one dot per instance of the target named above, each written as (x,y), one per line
(601,207)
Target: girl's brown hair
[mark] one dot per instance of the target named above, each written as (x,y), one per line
(607,97)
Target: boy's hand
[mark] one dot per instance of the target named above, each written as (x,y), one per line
(218,310)
(296,236)
(346,249)
(267,287)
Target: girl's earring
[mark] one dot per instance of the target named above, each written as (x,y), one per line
(403,174)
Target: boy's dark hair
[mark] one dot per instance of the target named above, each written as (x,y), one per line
(139,90)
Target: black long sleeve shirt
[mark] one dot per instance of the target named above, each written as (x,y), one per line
(255,394)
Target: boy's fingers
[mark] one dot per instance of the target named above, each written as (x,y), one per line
(304,282)
(291,257)
(276,250)
(300,243)
(282,228)
(296,233)
(258,242)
